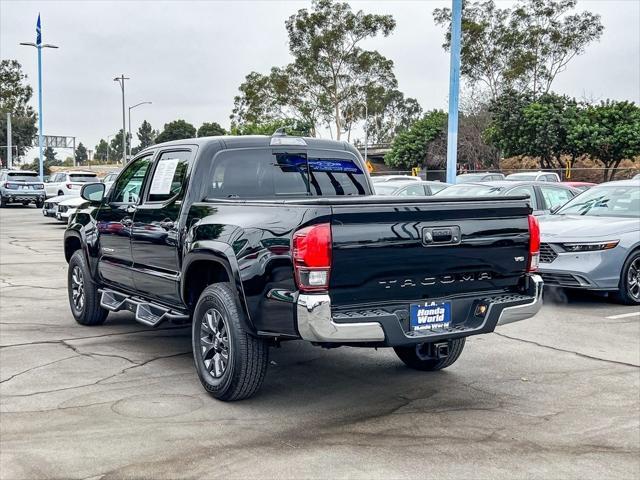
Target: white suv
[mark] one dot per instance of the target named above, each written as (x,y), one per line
(68,183)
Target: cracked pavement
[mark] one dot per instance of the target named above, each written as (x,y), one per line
(557,396)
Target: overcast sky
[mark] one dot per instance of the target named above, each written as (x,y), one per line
(189,58)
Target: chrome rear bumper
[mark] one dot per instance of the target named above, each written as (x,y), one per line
(316,323)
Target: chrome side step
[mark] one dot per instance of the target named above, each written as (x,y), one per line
(147,313)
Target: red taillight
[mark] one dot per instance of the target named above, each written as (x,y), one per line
(69,186)
(311,254)
(534,244)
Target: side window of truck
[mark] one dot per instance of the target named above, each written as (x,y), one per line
(169,175)
(129,185)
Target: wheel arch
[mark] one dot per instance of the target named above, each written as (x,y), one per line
(207,266)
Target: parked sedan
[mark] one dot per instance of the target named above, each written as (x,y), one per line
(545,196)
(580,185)
(593,242)
(21,186)
(409,189)
(393,178)
(476,177)
(534,176)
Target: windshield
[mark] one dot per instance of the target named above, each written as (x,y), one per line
(605,201)
(23,177)
(464,190)
(382,189)
(83,177)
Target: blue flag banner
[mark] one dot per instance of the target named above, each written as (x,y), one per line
(38,32)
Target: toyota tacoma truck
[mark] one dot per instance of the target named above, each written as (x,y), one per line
(259,240)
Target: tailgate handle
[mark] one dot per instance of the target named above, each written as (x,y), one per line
(432,236)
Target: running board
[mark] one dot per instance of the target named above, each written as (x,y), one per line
(147,313)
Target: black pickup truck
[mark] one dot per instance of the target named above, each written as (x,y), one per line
(258,240)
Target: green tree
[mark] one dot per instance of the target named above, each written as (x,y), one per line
(176,130)
(146,135)
(212,129)
(609,132)
(50,154)
(101,151)
(522,48)
(15,95)
(410,147)
(330,72)
(290,126)
(537,128)
(81,154)
(115,148)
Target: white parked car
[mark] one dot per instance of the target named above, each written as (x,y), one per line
(109,179)
(393,178)
(67,207)
(68,183)
(51,204)
(534,177)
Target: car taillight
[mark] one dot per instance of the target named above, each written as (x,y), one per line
(534,244)
(311,253)
(69,186)
(11,186)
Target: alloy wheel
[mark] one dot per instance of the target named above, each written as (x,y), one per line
(633,279)
(77,288)
(214,342)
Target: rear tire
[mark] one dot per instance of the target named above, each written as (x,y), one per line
(413,357)
(39,204)
(84,299)
(629,292)
(60,193)
(3,202)
(231,363)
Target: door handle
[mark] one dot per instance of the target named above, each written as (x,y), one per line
(167,224)
(127,222)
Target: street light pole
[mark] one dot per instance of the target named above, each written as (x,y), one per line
(454,90)
(121,80)
(131,108)
(366,130)
(39,46)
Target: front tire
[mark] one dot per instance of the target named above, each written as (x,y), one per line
(629,292)
(231,363)
(84,298)
(415,356)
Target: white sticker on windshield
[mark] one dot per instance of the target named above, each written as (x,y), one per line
(163,176)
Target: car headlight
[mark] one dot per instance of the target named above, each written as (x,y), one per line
(590,246)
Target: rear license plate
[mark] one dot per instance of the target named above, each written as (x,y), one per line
(24,187)
(430,316)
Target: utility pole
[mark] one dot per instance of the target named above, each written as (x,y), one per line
(131,108)
(454,90)
(39,46)
(121,80)
(9,148)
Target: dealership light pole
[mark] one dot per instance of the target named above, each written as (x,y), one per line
(131,108)
(454,90)
(121,80)
(39,46)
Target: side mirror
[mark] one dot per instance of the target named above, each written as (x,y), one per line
(93,192)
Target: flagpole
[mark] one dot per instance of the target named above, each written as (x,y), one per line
(39,46)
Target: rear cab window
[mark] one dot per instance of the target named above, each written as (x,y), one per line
(83,177)
(23,176)
(263,173)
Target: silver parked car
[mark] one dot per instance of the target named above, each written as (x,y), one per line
(409,188)
(593,242)
(21,186)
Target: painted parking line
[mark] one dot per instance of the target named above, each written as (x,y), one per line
(625,315)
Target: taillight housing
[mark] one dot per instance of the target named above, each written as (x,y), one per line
(311,255)
(534,244)
(11,186)
(69,186)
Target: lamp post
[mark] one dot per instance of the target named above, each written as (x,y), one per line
(454,90)
(131,108)
(366,130)
(121,80)
(39,46)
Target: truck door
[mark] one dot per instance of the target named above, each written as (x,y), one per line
(155,233)
(114,221)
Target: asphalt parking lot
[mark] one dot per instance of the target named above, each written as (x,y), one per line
(557,396)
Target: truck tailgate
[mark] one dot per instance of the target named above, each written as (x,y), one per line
(387,252)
